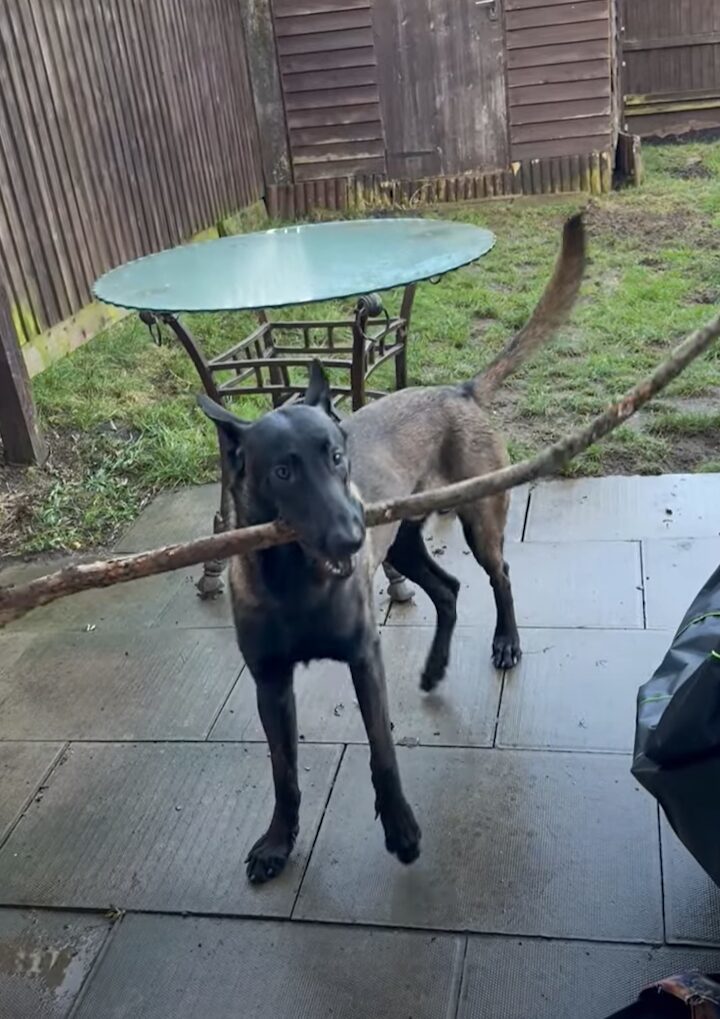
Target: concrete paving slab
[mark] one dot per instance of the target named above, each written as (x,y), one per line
(510,979)
(674,572)
(546,844)
(132,606)
(576,689)
(185,610)
(12,646)
(159,827)
(692,900)
(625,508)
(461,712)
(519,504)
(168,966)
(23,767)
(44,960)
(21,571)
(172,517)
(119,686)
(567,584)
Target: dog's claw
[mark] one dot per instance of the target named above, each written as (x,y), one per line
(506,652)
(267,858)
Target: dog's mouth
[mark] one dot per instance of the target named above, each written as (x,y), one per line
(335,569)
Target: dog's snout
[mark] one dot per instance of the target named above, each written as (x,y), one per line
(345,541)
(345,537)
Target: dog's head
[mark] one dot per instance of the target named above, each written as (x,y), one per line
(292,465)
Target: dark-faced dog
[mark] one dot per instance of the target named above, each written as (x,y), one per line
(313,599)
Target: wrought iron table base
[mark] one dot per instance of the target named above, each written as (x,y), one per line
(376,339)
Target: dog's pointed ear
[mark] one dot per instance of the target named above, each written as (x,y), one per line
(231,430)
(318,392)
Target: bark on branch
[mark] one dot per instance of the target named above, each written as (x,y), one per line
(17,601)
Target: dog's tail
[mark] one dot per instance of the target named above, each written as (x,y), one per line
(550,313)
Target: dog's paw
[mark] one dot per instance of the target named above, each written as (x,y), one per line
(402,833)
(434,672)
(506,651)
(268,857)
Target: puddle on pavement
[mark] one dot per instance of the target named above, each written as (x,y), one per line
(54,967)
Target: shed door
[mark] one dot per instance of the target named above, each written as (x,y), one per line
(329,80)
(442,85)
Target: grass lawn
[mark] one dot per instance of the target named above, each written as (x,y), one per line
(122,422)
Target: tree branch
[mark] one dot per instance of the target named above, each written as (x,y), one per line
(17,601)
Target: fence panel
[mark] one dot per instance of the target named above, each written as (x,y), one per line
(126,126)
(671,75)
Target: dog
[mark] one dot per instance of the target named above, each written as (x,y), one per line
(313,598)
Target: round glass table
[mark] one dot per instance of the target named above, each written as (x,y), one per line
(286,267)
(294,265)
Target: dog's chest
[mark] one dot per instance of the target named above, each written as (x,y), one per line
(328,627)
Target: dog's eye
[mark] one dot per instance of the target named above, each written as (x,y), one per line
(282,472)
(337,457)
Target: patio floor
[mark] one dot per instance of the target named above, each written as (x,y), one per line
(135,777)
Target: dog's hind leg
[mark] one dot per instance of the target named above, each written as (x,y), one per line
(402,834)
(409,555)
(483,525)
(276,703)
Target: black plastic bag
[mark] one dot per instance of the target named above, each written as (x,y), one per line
(677,736)
(688,996)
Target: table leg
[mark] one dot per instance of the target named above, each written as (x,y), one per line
(210,584)
(192,349)
(403,334)
(399,589)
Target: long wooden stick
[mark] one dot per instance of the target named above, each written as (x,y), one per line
(17,601)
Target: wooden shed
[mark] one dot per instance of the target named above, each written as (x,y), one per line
(439,98)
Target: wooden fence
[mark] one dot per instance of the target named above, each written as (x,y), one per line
(553,175)
(126,126)
(671,72)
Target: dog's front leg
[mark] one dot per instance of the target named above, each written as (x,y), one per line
(276,703)
(402,834)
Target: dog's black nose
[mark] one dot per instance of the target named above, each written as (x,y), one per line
(346,540)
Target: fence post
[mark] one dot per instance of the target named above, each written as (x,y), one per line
(267,91)
(20,435)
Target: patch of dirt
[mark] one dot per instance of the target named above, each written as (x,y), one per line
(652,230)
(684,454)
(689,453)
(708,403)
(22,488)
(706,295)
(480,325)
(694,169)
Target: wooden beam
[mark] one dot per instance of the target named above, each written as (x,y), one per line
(677,107)
(21,437)
(671,42)
(267,90)
(685,95)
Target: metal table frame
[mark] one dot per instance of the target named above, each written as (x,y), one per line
(261,363)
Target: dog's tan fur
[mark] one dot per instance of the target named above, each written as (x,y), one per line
(421,438)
